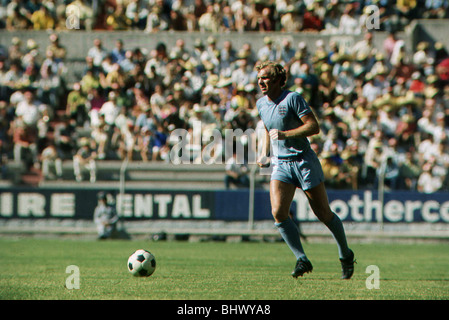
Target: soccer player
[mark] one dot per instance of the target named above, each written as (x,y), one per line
(288,121)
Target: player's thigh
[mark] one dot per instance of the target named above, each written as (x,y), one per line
(281,196)
(319,202)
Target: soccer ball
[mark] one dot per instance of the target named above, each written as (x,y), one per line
(141,263)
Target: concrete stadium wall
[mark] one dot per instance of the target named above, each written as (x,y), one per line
(79,42)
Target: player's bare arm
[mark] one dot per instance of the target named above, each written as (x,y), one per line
(309,127)
(264,160)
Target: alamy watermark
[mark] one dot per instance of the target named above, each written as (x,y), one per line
(72,20)
(372,17)
(73,280)
(202,146)
(373,280)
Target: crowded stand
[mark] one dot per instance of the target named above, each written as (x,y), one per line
(383,111)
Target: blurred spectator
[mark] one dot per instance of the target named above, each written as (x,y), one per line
(348,21)
(236,173)
(185,11)
(100,136)
(409,172)
(51,160)
(97,52)
(77,105)
(123,137)
(268,51)
(16,18)
(110,109)
(50,88)
(25,144)
(118,53)
(286,53)
(117,20)
(290,21)
(262,20)
(209,21)
(65,138)
(156,20)
(435,9)
(136,13)
(227,20)
(427,181)
(84,159)
(312,21)
(42,19)
(105,217)
(29,109)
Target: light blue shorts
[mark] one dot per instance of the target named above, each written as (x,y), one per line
(304,172)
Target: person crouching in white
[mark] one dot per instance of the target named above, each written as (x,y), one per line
(105,217)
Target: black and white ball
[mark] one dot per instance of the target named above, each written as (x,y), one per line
(142,263)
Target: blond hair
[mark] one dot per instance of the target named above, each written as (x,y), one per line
(276,70)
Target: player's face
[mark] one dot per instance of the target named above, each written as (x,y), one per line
(267,83)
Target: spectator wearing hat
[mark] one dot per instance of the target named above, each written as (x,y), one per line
(268,50)
(246,52)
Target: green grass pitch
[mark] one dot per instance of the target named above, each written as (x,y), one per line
(34,269)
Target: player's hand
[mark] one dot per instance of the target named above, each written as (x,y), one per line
(263,162)
(276,134)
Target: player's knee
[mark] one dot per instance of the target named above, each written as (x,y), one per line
(279,214)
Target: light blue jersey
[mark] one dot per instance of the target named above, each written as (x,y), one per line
(293,160)
(285,114)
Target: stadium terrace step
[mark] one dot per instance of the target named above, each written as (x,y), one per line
(137,174)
